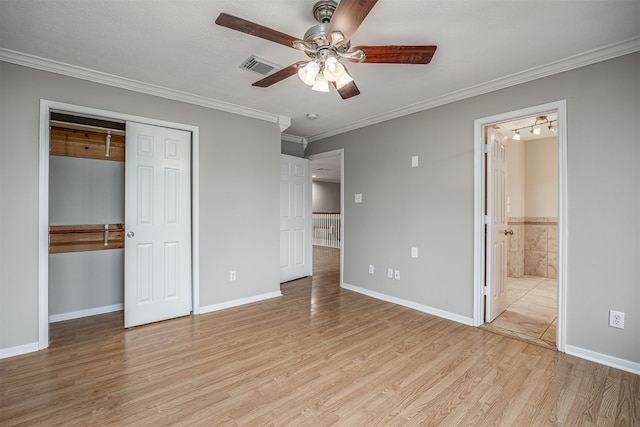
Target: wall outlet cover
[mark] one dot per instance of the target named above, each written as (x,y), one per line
(616,319)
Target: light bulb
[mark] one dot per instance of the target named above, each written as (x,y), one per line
(321,84)
(343,81)
(309,72)
(516,137)
(535,131)
(333,69)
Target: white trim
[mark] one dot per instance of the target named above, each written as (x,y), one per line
(239,302)
(576,61)
(410,304)
(195,220)
(85,313)
(334,153)
(43,228)
(18,350)
(603,359)
(284,123)
(293,138)
(478,236)
(43,202)
(51,66)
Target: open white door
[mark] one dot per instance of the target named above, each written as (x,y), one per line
(295,218)
(157,224)
(497,226)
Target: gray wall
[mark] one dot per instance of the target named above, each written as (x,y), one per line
(292,148)
(431,207)
(325,196)
(239,169)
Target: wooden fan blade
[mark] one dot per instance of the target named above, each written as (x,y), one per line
(279,75)
(254,29)
(348,16)
(348,90)
(396,54)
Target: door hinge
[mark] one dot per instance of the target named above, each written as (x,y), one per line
(486,219)
(487,149)
(485,290)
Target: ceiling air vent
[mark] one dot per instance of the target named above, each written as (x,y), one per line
(259,65)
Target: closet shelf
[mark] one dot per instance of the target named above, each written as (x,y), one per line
(88,142)
(85,237)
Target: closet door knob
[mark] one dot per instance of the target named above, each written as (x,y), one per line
(130,234)
(508,232)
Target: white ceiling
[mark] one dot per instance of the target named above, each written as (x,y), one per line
(174,44)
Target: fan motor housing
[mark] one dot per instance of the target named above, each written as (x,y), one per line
(323,10)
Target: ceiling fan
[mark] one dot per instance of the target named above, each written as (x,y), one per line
(327,43)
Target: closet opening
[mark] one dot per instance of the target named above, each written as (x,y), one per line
(86,216)
(118,223)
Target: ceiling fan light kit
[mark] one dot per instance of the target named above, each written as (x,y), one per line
(328,42)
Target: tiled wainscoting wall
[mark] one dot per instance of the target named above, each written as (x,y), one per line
(533,247)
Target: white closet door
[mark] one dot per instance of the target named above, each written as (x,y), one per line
(157,224)
(295,218)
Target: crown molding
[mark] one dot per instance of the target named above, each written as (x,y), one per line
(294,138)
(57,67)
(576,61)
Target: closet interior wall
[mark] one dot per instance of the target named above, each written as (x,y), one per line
(85,191)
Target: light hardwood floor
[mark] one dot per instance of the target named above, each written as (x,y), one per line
(320,355)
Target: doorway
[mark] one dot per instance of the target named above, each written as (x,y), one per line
(46,108)
(522,294)
(529,307)
(327,175)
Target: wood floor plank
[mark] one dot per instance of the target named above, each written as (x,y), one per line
(319,355)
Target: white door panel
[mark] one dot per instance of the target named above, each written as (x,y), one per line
(295,218)
(496,242)
(158,224)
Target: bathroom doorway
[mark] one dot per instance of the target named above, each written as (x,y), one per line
(530,310)
(521,224)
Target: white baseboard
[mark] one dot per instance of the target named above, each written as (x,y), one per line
(410,304)
(18,350)
(604,359)
(84,313)
(238,302)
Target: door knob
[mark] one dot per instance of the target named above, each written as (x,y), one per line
(131,234)
(508,232)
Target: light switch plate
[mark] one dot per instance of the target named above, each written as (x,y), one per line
(414,161)
(357,198)
(414,252)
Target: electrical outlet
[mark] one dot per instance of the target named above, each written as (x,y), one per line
(390,273)
(396,274)
(232,276)
(616,319)
(370,269)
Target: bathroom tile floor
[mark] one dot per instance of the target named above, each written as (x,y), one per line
(532,312)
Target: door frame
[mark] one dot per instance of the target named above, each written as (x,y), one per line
(479,208)
(46,106)
(335,153)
